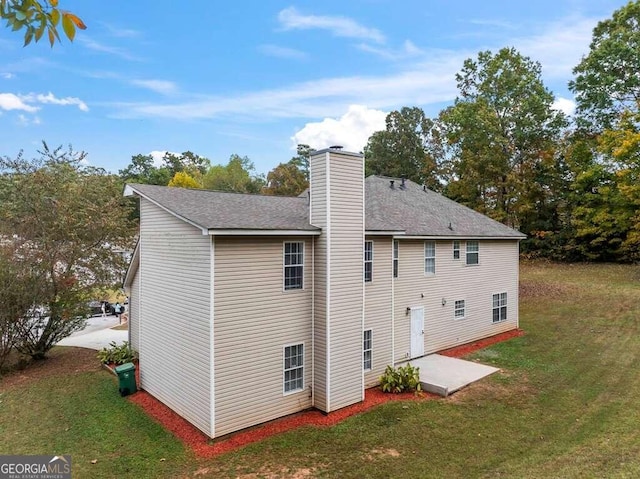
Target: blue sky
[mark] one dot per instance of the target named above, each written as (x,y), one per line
(257,77)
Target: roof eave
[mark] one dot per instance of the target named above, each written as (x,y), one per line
(262,232)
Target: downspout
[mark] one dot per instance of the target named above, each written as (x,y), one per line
(313,319)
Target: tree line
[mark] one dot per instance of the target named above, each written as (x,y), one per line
(570,184)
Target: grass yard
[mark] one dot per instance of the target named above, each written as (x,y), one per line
(567,404)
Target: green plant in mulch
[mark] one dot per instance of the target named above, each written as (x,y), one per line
(115,354)
(403,379)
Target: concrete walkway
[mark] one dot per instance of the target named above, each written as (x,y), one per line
(443,375)
(97,334)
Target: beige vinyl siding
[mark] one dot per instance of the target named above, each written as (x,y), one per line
(377,308)
(134,312)
(337,207)
(254,319)
(175,314)
(346,280)
(318,217)
(496,272)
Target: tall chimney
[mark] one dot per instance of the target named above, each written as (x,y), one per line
(337,207)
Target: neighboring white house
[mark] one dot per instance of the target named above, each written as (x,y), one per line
(245,308)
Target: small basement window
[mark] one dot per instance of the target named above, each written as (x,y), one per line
(459,307)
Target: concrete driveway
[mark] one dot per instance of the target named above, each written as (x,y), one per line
(97,334)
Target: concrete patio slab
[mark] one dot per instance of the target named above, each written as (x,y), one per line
(443,375)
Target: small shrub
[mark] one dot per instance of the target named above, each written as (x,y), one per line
(403,379)
(117,354)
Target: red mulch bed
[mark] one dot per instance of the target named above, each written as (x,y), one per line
(203,447)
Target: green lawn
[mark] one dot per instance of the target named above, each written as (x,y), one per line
(567,404)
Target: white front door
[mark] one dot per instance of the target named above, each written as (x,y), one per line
(417,332)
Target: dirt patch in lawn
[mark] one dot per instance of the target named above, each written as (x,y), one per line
(465,349)
(375,453)
(530,289)
(508,388)
(285,472)
(61,361)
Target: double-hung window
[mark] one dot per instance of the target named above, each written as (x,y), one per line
(456,249)
(368,261)
(396,257)
(293,368)
(499,307)
(473,250)
(367,349)
(429,257)
(293,265)
(458,310)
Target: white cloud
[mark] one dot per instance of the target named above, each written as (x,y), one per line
(51,99)
(291,19)
(119,32)
(9,101)
(559,47)
(102,48)
(24,120)
(158,155)
(565,105)
(428,82)
(7,75)
(408,50)
(282,52)
(351,130)
(163,87)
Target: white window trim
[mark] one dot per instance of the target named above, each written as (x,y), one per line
(365,350)
(506,305)
(365,261)
(466,253)
(464,309)
(429,257)
(285,266)
(456,249)
(304,352)
(395,266)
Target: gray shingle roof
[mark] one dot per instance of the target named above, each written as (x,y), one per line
(411,210)
(221,210)
(420,212)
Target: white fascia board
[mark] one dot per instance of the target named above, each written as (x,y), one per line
(461,238)
(130,191)
(237,232)
(384,233)
(132,268)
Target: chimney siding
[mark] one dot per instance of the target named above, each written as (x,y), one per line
(337,206)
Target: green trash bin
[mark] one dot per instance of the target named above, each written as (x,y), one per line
(126,378)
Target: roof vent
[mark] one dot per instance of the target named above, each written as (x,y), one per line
(336,147)
(450,226)
(403,178)
(391,183)
(424,188)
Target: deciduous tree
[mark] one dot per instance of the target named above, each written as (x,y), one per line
(286,179)
(402,149)
(501,138)
(607,80)
(236,176)
(69,224)
(37,17)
